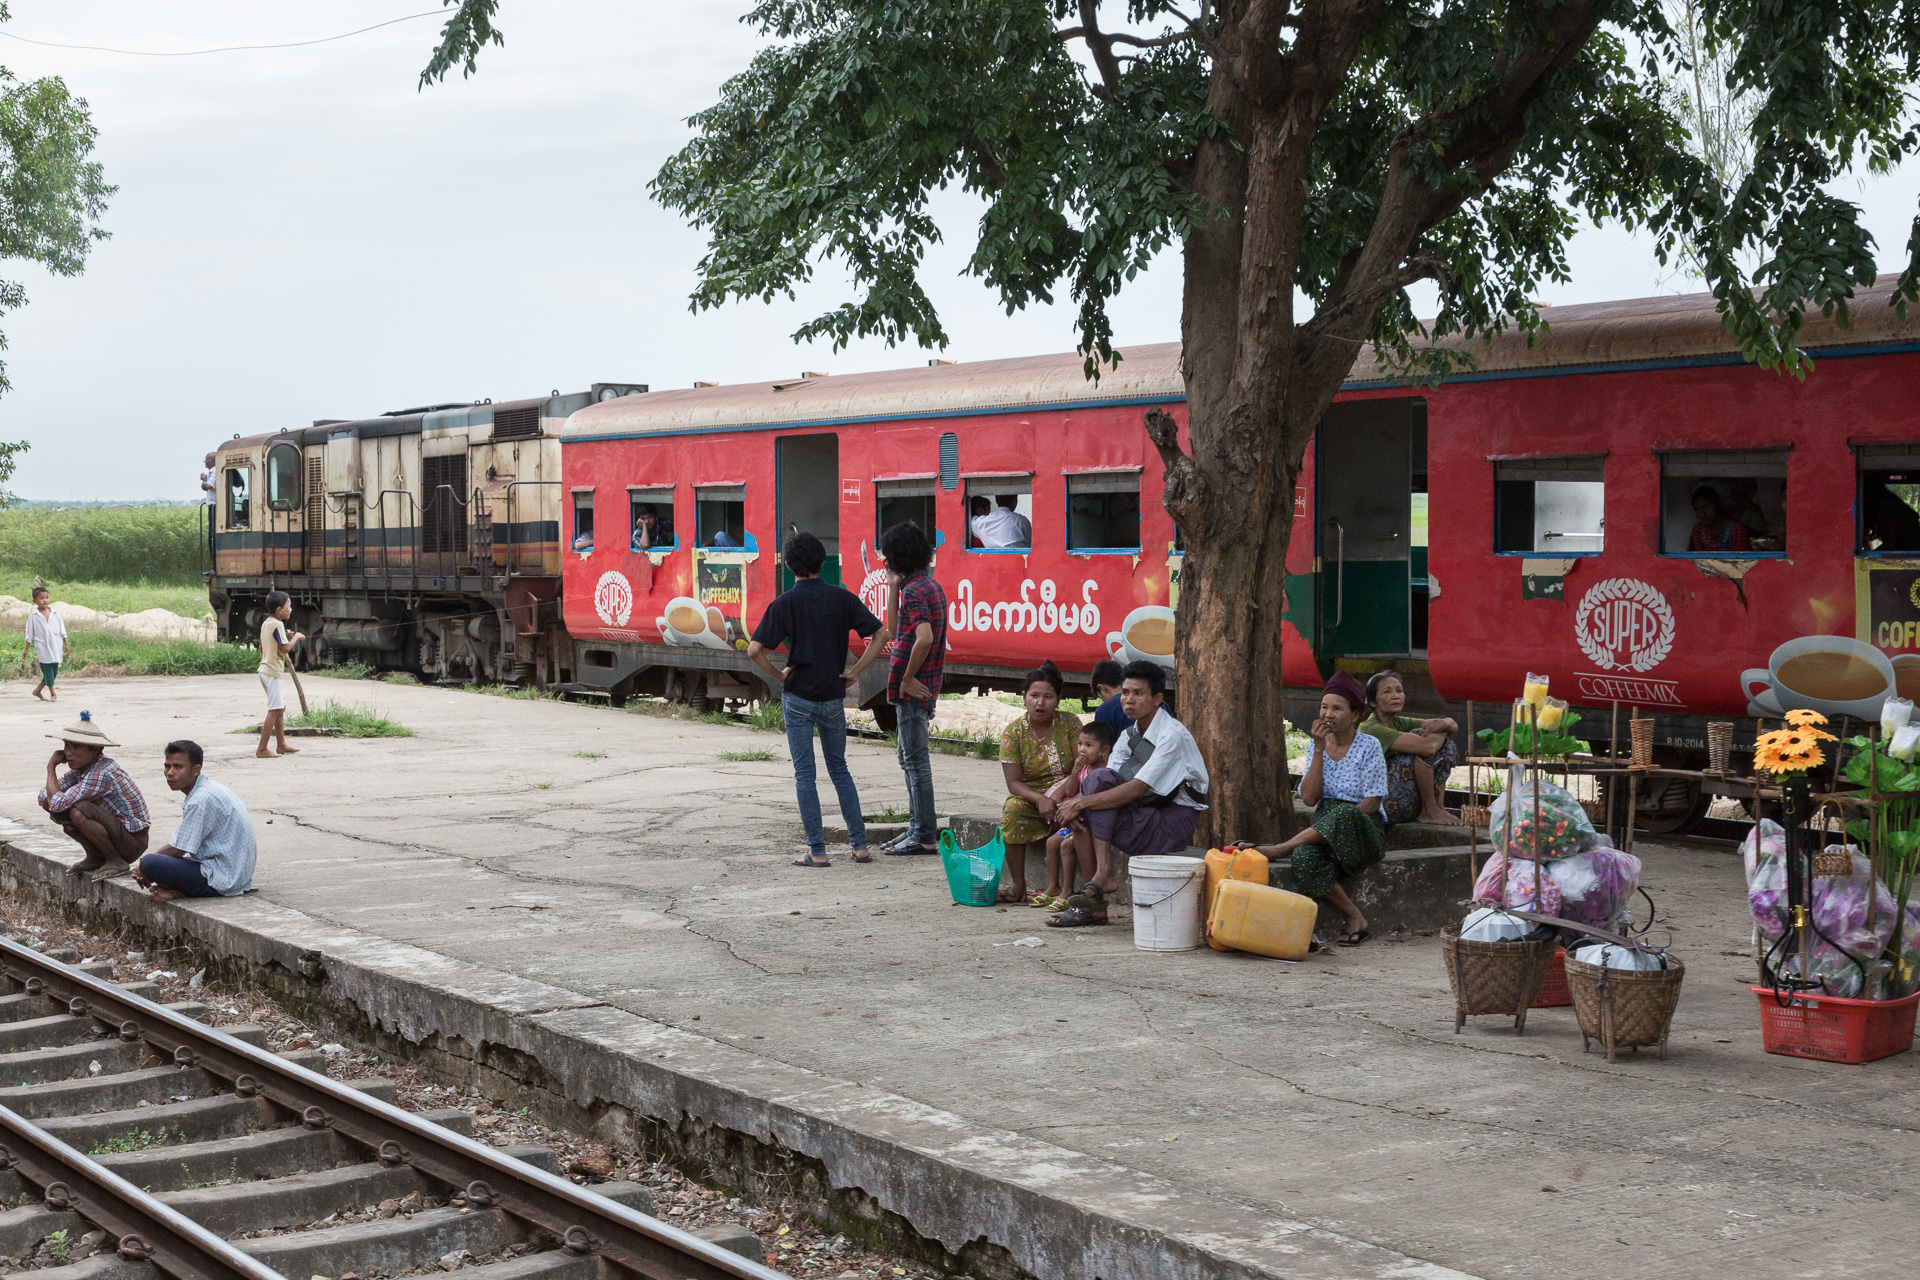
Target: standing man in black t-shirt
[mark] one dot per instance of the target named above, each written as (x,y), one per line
(812,619)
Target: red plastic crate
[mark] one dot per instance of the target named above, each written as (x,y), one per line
(1553,992)
(1833,1029)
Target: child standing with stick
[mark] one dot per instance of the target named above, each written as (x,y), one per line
(275,645)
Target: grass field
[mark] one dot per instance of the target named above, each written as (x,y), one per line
(99,653)
(189,601)
(103,544)
(349,719)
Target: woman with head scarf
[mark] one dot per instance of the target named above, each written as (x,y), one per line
(1346,781)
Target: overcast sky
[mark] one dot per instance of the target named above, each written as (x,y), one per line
(301,234)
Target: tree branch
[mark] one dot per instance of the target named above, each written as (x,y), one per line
(1100,45)
(1184,482)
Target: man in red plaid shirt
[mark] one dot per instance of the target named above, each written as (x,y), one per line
(95,803)
(913,679)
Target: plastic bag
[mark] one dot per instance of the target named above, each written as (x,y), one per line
(1611,955)
(1564,826)
(1491,924)
(1511,884)
(1591,885)
(1841,928)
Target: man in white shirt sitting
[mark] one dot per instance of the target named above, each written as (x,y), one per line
(1146,801)
(1002,525)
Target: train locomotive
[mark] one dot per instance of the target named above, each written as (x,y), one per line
(1541,512)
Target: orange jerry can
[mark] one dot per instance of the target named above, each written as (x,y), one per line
(1230,864)
(1261,919)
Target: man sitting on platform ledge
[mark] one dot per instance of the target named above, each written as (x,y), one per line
(96,803)
(1146,801)
(212,852)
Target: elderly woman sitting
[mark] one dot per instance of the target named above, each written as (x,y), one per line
(1345,780)
(1420,754)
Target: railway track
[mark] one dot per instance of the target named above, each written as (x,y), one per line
(136,1140)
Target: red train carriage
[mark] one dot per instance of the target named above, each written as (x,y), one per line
(1625,506)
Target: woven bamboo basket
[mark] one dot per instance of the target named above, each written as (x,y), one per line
(1476,815)
(1642,731)
(1624,1008)
(1596,812)
(1719,745)
(1495,977)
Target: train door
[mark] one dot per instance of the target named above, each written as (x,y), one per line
(807,496)
(1370,471)
(285,509)
(238,541)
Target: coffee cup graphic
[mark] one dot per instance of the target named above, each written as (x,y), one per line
(1145,636)
(1906,676)
(692,625)
(1834,675)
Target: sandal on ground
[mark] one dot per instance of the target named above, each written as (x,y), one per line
(1356,938)
(1044,900)
(910,850)
(861,855)
(1075,918)
(899,842)
(806,860)
(1008,898)
(1090,898)
(108,873)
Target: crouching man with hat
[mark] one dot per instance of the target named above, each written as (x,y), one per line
(95,803)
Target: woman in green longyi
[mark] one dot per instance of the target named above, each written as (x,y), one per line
(1346,781)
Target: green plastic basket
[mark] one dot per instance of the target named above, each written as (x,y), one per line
(973,875)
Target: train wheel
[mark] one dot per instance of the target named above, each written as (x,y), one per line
(1663,806)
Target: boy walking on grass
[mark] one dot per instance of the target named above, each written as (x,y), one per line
(812,619)
(46,642)
(275,645)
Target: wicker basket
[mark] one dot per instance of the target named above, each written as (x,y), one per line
(1642,731)
(1495,977)
(1596,812)
(1719,745)
(1624,1008)
(1476,815)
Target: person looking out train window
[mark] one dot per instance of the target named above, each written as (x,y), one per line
(999,524)
(1715,529)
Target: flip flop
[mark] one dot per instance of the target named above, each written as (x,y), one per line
(808,861)
(1355,939)
(108,873)
(1046,901)
(1075,918)
(899,842)
(863,856)
(910,851)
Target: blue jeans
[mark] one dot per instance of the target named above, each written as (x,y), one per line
(916,761)
(831,719)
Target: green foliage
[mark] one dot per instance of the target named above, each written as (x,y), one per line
(101,653)
(112,597)
(8,452)
(159,545)
(1519,739)
(750,754)
(349,718)
(132,1140)
(1458,142)
(768,714)
(56,1242)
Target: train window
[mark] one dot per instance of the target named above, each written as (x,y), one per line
(283,477)
(239,490)
(1550,506)
(1103,512)
(1888,510)
(583,519)
(895,501)
(650,520)
(720,516)
(1723,502)
(1000,513)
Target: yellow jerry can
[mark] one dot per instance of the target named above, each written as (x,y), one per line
(1230,864)
(1261,919)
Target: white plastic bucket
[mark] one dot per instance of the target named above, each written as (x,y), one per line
(1166,902)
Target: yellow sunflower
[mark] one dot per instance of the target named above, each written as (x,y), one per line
(1802,717)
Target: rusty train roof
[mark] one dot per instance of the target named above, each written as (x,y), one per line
(1638,332)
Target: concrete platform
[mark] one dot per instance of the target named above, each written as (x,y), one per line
(591,904)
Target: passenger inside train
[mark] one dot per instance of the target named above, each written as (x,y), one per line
(995,522)
(649,530)
(1723,502)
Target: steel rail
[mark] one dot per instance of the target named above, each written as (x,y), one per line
(582,1222)
(145,1228)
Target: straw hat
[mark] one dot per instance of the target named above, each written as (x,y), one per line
(87,733)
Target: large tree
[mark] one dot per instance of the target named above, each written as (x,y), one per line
(1312,160)
(51,194)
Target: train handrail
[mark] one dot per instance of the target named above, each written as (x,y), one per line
(1340,570)
(386,564)
(513,544)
